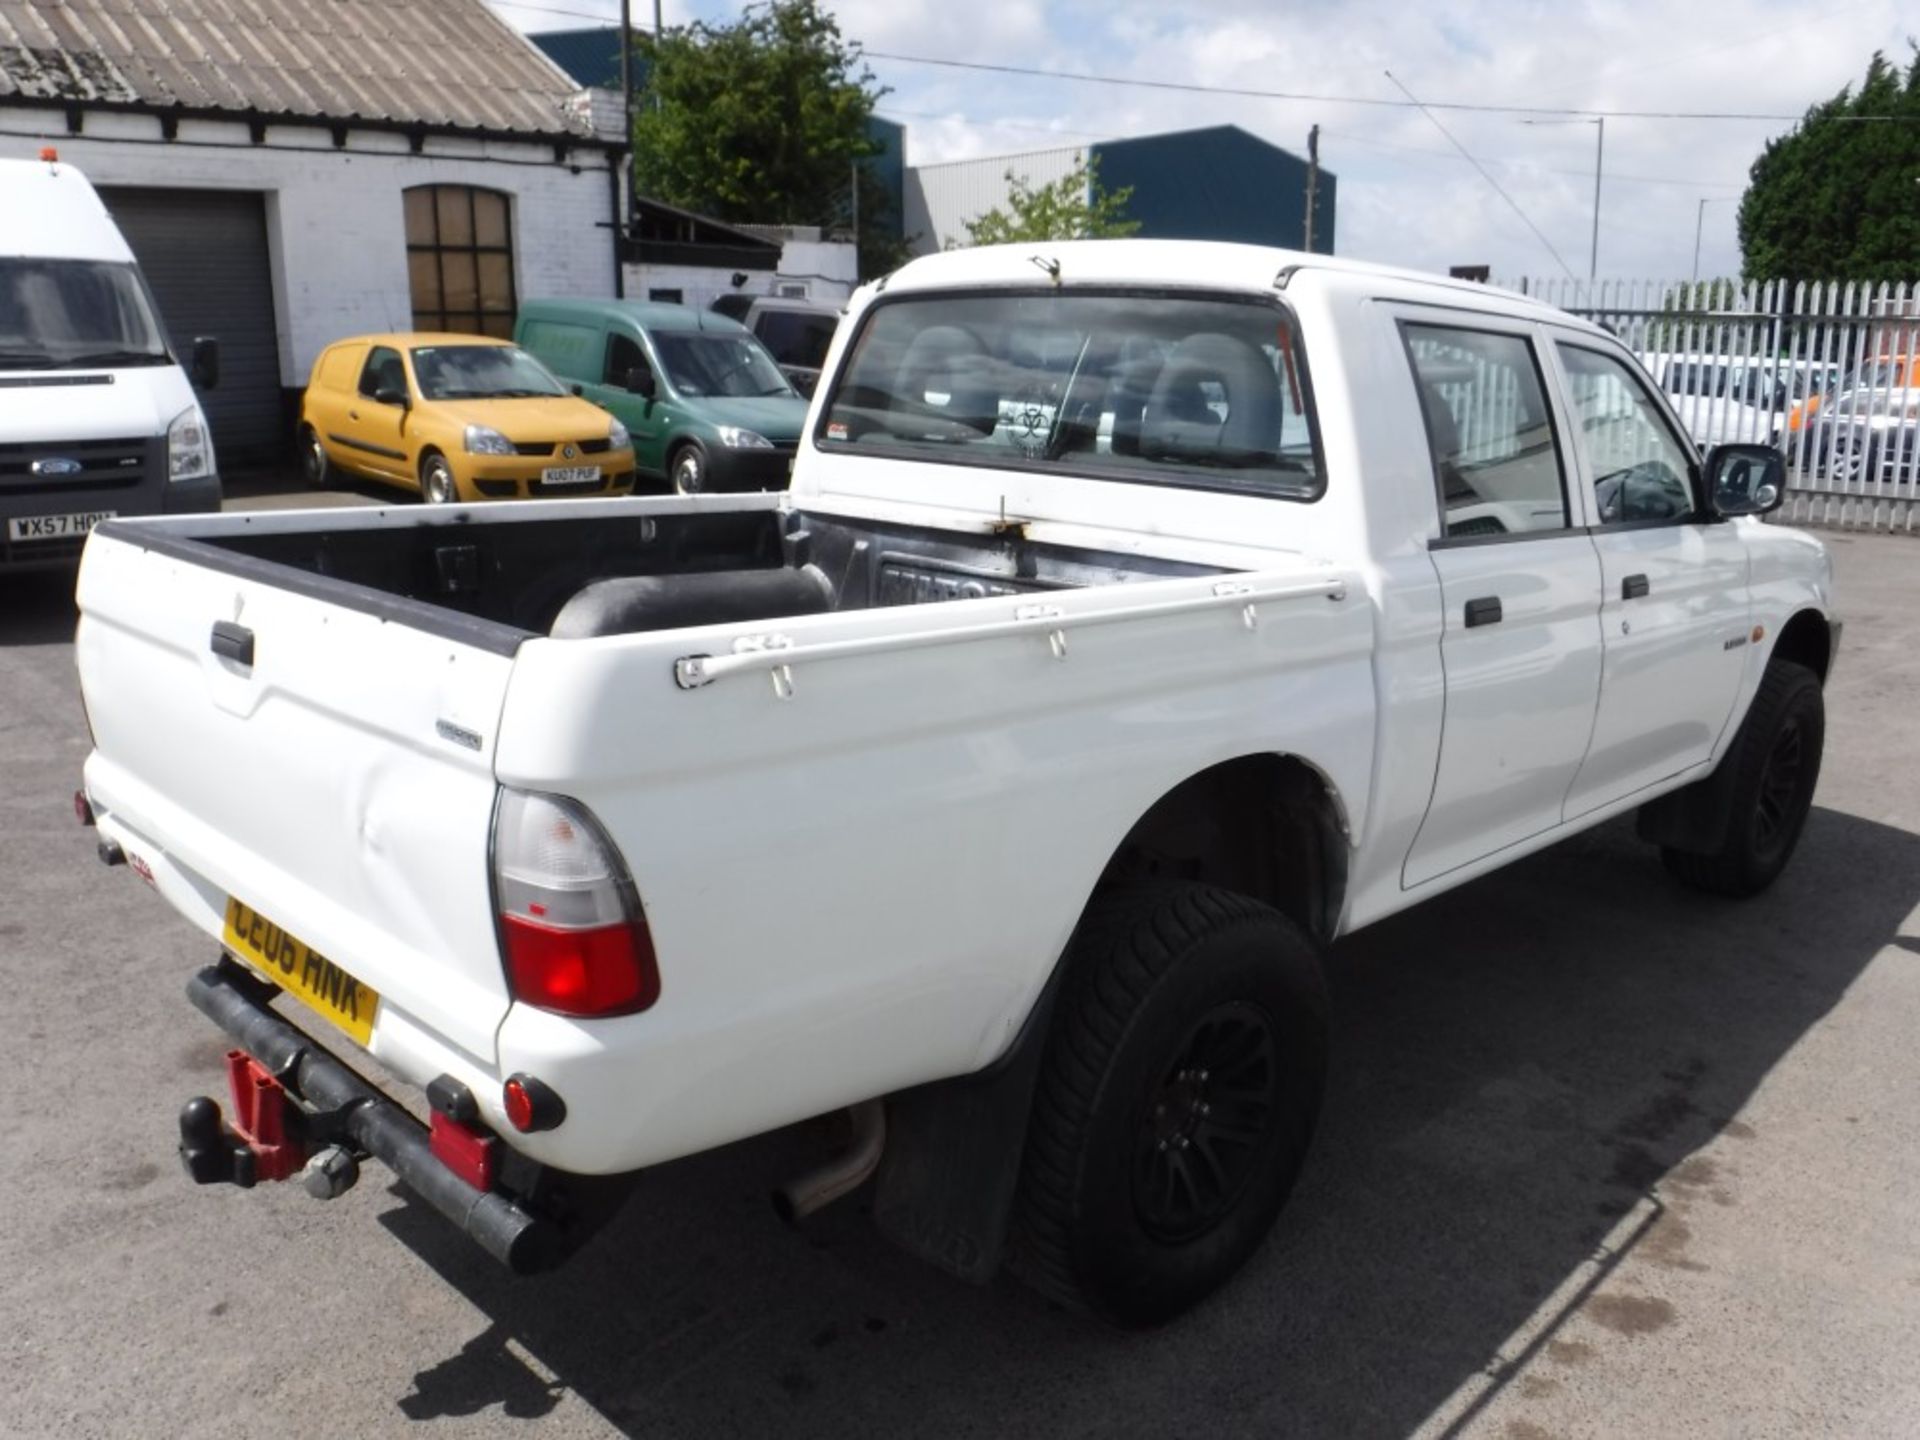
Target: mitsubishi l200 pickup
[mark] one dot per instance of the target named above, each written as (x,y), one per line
(1142,617)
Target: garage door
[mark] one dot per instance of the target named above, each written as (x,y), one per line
(204,253)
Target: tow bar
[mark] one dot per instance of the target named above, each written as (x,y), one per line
(297,1110)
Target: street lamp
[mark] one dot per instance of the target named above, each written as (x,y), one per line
(1599,122)
(1699,219)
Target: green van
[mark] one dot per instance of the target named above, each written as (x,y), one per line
(706,405)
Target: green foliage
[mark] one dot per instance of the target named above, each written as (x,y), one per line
(762,120)
(1074,207)
(1838,198)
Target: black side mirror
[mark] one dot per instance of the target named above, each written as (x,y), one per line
(388,395)
(577,389)
(641,382)
(1744,479)
(205,365)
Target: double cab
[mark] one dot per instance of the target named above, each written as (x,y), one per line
(1142,617)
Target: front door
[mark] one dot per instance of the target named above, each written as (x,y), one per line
(1521,585)
(1675,614)
(374,428)
(645,419)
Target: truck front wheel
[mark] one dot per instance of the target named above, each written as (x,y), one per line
(1776,760)
(1181,1084)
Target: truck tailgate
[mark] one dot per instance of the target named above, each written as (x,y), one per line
(341,785)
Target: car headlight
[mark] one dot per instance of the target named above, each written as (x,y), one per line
(735,438)
(618,438)
(485,440)
(189,446)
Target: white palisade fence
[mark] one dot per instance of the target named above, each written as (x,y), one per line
(1825,371)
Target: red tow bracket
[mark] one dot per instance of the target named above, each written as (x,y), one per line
(257,1146)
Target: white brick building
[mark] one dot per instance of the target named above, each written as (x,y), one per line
(317,170)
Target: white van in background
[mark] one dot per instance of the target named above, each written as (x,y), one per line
(97,417)
(1723,399)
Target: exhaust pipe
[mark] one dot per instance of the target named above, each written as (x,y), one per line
(841,1175)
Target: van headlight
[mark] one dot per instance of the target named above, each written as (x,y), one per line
(485,440)
(618,438)
(735,438)
(189,446)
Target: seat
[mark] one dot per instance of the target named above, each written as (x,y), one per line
(1203,374)
(950,360)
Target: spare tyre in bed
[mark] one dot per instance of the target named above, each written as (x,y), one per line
(630,604)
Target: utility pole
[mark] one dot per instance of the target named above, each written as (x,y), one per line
(1599,146)
(1313,180)
(1699,219)
(658,31)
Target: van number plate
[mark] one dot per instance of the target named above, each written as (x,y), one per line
(571,475)
(55,527)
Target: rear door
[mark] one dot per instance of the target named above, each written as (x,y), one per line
(1674,580)
(340,785)
(1521,586)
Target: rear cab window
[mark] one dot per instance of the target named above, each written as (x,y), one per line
(1186,389)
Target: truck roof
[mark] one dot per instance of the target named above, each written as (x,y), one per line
(53,213)
(648,314)
(1215,263)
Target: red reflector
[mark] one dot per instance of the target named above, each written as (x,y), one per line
(49,154)
(608,970)
(519,1105)
(465,1151)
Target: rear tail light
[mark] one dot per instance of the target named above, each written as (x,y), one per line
(572,932)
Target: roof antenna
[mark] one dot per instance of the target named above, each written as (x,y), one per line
(1052,267)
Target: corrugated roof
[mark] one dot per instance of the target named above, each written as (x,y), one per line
(441,63)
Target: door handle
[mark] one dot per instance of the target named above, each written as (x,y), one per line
(1633,587)
(353,414)
(1484,611)
(232,642)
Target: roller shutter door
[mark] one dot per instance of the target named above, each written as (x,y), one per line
(204,253)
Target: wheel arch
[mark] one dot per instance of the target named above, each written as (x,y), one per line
(1806,639)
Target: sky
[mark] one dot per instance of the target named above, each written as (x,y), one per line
(1406,195)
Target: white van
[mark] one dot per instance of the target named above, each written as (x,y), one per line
(97,417)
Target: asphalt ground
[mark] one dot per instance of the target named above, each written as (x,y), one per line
(1602,1157)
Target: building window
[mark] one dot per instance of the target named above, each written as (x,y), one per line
(669,297)
(460,260)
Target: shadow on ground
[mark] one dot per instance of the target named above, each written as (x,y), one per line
(36,607)
(1519,1063)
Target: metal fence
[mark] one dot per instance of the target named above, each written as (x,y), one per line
(1825,371)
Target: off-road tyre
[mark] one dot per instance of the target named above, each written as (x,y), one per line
(1189,1014)
(1776,760)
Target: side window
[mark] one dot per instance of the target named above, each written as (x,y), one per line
(623,354)
(1640,469)
(1494,458)
(383,371)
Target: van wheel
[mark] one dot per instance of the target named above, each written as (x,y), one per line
(1178,1095)
(688,470)
(1776,757)
(436,481)
(314,464)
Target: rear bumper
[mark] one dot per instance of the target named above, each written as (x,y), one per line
(523,1242)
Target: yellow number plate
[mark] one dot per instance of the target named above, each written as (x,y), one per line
(296,966)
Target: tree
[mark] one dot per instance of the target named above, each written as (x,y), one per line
(1838,198)
(1074,207)
(764,120)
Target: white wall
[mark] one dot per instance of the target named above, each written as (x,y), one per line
(336,225)
(828,268)
(940,199)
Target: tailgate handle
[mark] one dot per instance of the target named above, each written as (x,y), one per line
(232,642)
(1633,587)
(1484,611)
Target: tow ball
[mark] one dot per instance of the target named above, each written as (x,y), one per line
(271,1137)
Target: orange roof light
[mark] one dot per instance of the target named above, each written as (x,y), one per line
(49,154)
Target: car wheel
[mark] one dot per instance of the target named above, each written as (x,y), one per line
(688,471)
(314,464)
(1776,756)
(1179,1092)
(436,481)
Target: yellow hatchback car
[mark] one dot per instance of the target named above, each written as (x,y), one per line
(459,417)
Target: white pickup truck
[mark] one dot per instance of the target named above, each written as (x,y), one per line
(1142,616)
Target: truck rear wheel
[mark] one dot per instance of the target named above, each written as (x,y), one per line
(1776,757)
(1181,1083)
